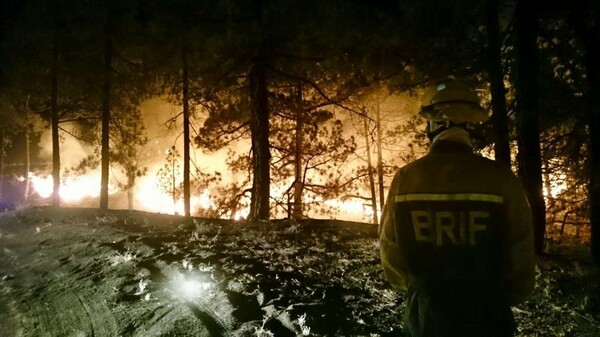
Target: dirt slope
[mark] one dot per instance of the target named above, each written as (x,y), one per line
(72,272)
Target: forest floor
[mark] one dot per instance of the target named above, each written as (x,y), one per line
(73,272)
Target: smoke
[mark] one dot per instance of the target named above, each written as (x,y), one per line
(164,127)
(72,151)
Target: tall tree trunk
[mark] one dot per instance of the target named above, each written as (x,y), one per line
(590,36)
(297,212)
(130,198)
(106,88)
(186,133)
(174,183)
(259,127)
(27,158)
(498,91)
(528,138)
(594,158)
(379,153)
(54,112)
(371,173)
(27,154)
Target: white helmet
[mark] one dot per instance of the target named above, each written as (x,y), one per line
(452,101)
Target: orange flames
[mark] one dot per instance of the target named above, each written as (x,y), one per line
(71,190)
(147,193)
(148,196)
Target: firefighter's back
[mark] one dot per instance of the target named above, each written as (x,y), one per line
(451,223)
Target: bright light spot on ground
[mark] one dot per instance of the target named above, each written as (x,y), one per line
(193,288)
(189,287)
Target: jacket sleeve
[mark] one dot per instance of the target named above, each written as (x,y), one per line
(520,268)
(392,259)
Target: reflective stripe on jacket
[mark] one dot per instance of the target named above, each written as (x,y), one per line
(457,218)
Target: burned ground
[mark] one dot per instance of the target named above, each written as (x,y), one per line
(73,272)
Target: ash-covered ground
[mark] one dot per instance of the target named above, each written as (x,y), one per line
(75,272)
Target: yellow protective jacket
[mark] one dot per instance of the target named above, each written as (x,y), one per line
(453,217)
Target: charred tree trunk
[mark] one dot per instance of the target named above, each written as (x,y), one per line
(297,211)
(186,133)
(498,91)
(528,133)
(106,88)
(259,127)
(371,172)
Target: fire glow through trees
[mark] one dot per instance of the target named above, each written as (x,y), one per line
(82,189)
(150,197)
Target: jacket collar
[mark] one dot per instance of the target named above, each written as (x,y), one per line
(452,140)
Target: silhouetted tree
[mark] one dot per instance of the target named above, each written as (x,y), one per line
(528,131)
(127,150)
(496,79)
(586,20)
(109,26)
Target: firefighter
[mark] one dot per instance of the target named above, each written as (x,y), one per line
(457,228)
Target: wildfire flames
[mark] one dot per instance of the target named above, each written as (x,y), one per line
(71,190)
(147,193)
(148,196)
